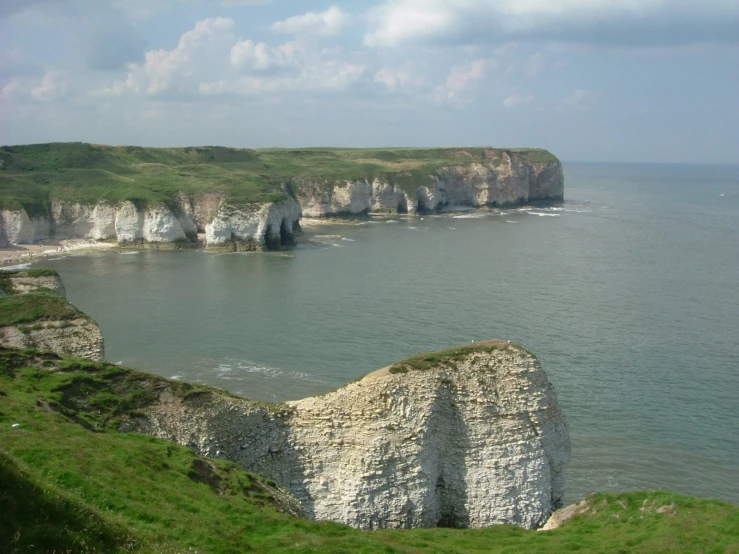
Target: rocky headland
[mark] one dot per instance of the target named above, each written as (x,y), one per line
(99,457)
(467,437)
(34,313)
(246,199)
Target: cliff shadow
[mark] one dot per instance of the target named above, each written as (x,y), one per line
(450,442)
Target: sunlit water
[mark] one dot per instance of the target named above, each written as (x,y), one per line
(628,293)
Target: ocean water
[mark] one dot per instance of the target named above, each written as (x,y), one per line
(627,292)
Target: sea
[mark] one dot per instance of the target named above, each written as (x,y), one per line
(628,292)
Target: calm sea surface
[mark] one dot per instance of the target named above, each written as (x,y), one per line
(628,293)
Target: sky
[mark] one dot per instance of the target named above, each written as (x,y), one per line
(590,80)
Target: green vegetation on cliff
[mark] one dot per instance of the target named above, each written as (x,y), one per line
(70,482)
(33,306)
(6,277)
(32,175)
(36,306)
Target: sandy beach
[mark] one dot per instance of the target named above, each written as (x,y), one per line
(27,253)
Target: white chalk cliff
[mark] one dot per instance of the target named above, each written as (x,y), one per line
(502,178)
(254,226)
(468,437)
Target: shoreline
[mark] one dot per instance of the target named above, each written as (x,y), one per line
(23,254)
(28,253)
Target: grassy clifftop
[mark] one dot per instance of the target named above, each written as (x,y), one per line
(69,481)
(31,175)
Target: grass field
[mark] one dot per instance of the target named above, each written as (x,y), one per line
(69,482)
(31,175)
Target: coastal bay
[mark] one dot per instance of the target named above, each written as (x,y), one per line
(625,292)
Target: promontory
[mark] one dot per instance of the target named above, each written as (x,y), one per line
(240,199)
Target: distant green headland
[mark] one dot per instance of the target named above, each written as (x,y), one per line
(243,199)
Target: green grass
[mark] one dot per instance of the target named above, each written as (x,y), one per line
(32,175)
(36,306)
(449,357)
(6,284)
(69,482)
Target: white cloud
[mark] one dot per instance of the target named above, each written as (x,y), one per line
(52,87)
(535,64)
(328,76)
(198,51)
(209,60)
(580,100)
(247,54)
(627,22)
(398,78)
(462,78)
(11,89)
(328,23)
(517,100)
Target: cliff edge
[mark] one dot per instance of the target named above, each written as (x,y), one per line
(243,199)
(34,313)
(467,437)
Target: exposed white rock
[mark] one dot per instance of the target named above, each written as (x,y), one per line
(387,198)
(16,227)
(253,226)
(161,225)
(474,440)
(76,337)
(430,198)
(72,219)
(198,210)
(563,515)
(188,226)
(103,217)
(503,178)
(351,198)
(129,223)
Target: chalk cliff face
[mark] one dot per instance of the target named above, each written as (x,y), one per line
(123,222)
(253,226)
(60,327)
(226,226)
(499,178)
(504,179)
(466,438)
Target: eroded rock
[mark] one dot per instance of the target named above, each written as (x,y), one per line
(466,438)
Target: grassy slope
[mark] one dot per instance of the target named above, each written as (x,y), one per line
(36,306)
(40,305)
(88,488)
(31,175)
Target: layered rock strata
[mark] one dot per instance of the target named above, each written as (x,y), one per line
(465,438)
(53,324)
(502,178)
(78,336)
(254,226)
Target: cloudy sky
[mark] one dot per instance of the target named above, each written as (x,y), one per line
(592,80)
